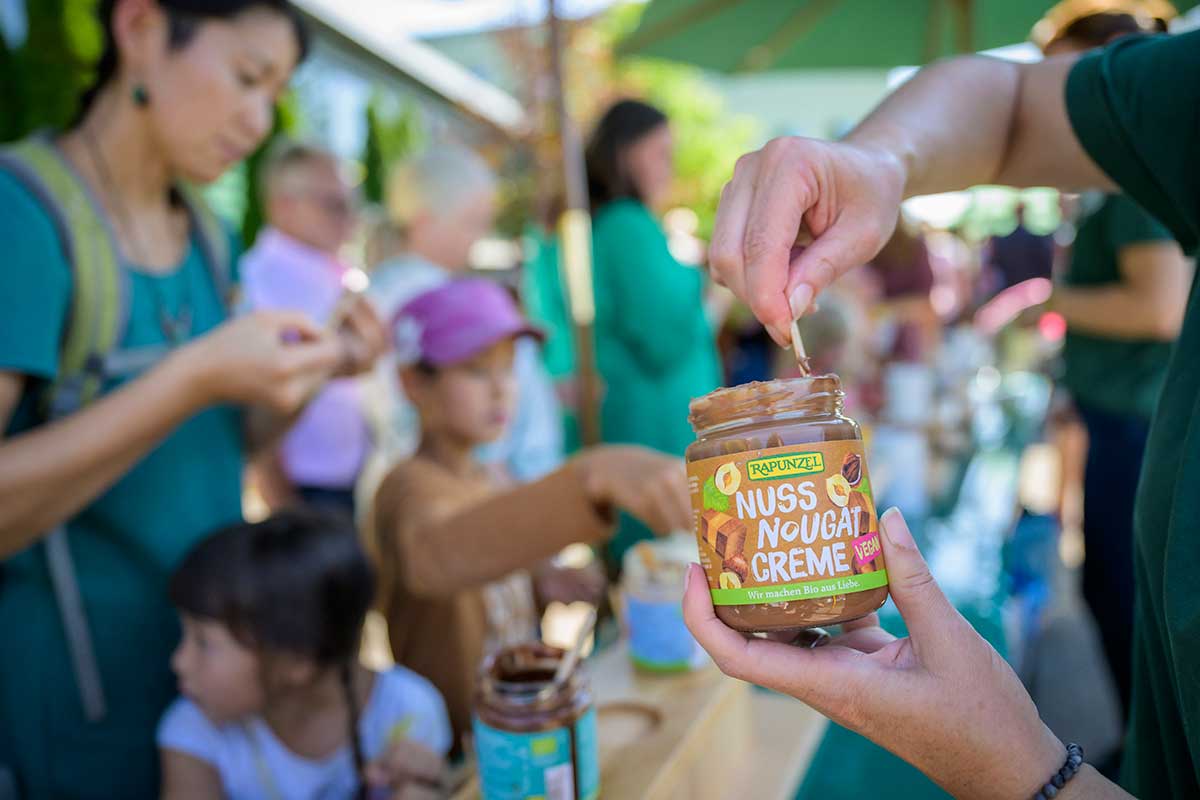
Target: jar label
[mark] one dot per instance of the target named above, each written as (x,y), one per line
(524,766)
(787,523)
(659,641)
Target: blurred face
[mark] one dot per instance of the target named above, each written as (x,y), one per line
(471,401)
(211,101)
(445,237)
(313,204)
(216,671)
(650,162)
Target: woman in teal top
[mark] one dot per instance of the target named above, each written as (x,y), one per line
(655,349)
(1123,298)
(185,89)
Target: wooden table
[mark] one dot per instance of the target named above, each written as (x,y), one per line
(699,735)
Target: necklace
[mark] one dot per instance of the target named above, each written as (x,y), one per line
(175,327)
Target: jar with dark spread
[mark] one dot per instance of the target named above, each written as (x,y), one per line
(784,517)
(534,738)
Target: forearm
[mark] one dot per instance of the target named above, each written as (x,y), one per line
(1114,311)
(51,472)
(510,531)
(977,120)
(949,126)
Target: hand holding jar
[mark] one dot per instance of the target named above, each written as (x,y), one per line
(941,698)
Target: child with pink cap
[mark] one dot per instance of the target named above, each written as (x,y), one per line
(452,542)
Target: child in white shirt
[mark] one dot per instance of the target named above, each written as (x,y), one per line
(275,705)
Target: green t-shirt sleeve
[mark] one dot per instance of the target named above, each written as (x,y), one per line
(35,284)
(654,299)
(1136,113)
(1129,224)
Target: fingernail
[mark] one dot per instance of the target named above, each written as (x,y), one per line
(687,576)
(801,299)
(896,529)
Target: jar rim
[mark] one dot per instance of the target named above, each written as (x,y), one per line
(759,402)
(527,693)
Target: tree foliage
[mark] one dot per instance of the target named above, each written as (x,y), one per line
(42,78)
(391,137)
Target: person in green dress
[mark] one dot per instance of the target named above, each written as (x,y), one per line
(655,347)
(1123,297)
(184,90)
(942,698)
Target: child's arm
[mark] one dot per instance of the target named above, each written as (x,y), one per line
(186,777)
(439,548)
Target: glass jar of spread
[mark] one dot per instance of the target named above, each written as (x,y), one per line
(651,601)
(784,518)
(534,738)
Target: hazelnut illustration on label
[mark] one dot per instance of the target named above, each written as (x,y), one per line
(787,523)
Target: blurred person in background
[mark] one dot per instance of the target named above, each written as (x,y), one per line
(440,203)
(294,266)
(1123,297)
(905,277)
(1015,257)
(111,472)
(655,347)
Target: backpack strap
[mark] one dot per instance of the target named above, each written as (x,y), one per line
(101,289)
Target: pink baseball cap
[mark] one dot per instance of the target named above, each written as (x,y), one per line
(458,320)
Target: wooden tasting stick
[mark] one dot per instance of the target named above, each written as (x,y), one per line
(798,349)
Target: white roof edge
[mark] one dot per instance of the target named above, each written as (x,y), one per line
(442,75)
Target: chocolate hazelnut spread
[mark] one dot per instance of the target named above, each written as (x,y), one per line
(533,737)
(784,516)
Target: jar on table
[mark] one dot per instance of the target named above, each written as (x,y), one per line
(534,738)
(785,522)
(652,597)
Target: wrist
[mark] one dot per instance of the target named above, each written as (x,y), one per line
(186,373)
(587,473)
(889,156)
(589,467)
(1061,765)
(1089,783)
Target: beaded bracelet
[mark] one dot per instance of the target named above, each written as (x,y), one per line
(1073,763)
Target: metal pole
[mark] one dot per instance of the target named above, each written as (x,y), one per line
(575,244)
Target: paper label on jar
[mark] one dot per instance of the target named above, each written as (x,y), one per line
(659,641)
(787,523)
(545,765)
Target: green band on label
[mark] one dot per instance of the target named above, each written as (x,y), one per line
(800,591)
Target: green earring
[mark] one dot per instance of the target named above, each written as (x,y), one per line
(141,97)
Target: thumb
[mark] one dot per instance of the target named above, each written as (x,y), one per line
(931,620)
